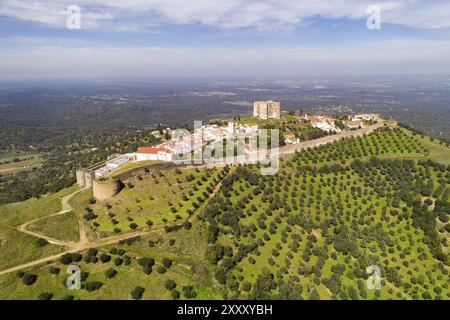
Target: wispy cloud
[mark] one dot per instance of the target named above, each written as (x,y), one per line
(261,14)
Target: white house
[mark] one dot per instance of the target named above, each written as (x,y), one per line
(145,153)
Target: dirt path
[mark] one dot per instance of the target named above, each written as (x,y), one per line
(65,207)
(84,242)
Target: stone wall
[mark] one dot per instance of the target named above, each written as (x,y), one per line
(104,190)
(89,178)
(81,178)
(133,172)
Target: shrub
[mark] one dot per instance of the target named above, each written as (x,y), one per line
(28,278)
(89,216)
(76,257)
(147,269)
(45,296)
(93,285)
(104,258)
(170,284)
(92,252)
(54,270)
(146,262)
(126,260)
(167,262)
(68,297)
(41,242)
(118,261)
(189,292)
(161,270)
(133,226)
(66,258)
(110,273)
(175,294)
(84,275)
(20,274)
(137,293)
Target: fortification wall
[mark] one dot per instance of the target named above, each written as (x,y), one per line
(81,178)
(133,172)
(104,190)
(89,178)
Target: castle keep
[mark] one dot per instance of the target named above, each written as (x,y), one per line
(267,109)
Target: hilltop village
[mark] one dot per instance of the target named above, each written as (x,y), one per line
(266,115)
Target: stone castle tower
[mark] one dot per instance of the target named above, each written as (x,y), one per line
(267,109)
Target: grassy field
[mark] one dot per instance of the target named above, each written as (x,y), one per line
(188,268)
(62,227)
(17,247)
(161,197)
(10,164)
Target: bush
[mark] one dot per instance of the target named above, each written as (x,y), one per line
(54,270)
(104,258)
(76,257)
(28,279)
(161,270)
(45,296)
(92,286)
(92,252)
(167,262)
(118,261)
(189,292)
(126,260)
(146,262)
(66,258)
(84,275)
(175,294)
(137,293)
(110,273)
(20,274)
(187,225)
(133,226)
(147,269)
(68,297)
(170,284)
(41,242)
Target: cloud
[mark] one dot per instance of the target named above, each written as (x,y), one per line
(260,14)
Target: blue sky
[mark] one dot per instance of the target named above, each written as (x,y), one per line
(222,38)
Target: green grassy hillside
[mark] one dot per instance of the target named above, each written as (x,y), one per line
(308,232)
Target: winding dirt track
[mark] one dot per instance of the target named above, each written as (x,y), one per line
(84,243)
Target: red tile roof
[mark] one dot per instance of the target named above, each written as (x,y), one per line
(152,150)
(354,123)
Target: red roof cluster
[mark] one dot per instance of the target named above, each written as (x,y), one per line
(148,150)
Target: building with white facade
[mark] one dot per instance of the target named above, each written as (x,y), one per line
(153,153)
